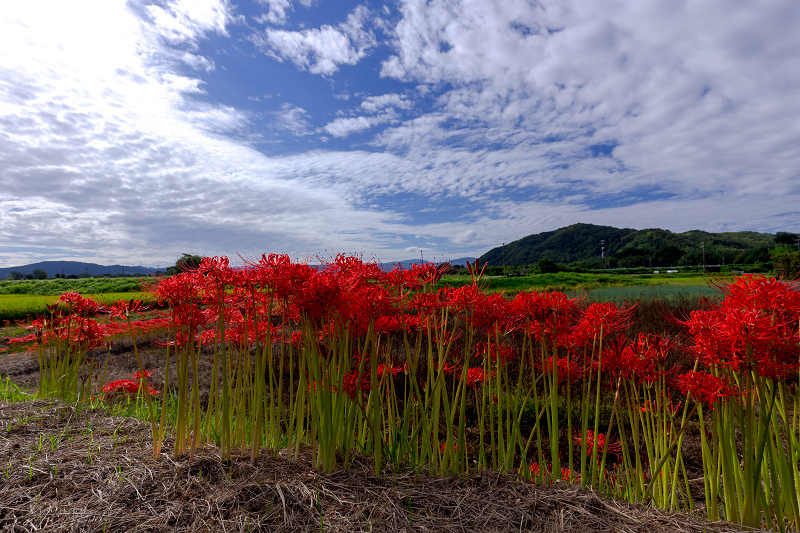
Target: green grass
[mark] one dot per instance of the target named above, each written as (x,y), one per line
(53,287)
(9,392)
(651,292)
(602,287)
(22,306)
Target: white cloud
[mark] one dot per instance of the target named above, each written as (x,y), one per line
(294,119)
(465,237)
(321,50)
(687,93)
(342,127)
(278,11)
(372,104)
(187,21)
(198,62)
(106,154)
(510,117)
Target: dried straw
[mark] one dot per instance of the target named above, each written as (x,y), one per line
(69,469)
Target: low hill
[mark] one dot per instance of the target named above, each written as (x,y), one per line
(76,268)
(583,244)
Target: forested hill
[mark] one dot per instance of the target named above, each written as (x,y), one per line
(581,244)
(76,268)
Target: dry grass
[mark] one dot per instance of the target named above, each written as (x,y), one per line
(69,469)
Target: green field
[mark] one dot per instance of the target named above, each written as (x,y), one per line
(600,286)
(24,306)
(52,287)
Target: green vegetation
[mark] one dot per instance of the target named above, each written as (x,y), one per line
(787,264)
(644,293)
(600,286)
(54,287)
(582,245)
(184,263)
(28,298)
(24,306)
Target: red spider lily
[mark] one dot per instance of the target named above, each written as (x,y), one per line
(673,408)
(443,447)
(551,316)
(411,322)
(755,325)
(507,353)
(756,291)
(82,333)
(427,304)
(296,338)
(494,313)
(446,367)
(77,304)
(415,278)
(541,306)
(278,275)
(569,368)
(603,444)
(122,385)
(209,337)
(20,340)
(353,383)
(566,475)
(320,296)
(125,308)
(127,386)
(705,387)
(728,337)
(634,360)
(476,376)
(388,324)
(607,317)
(370,302)
(389,369)
(180,289)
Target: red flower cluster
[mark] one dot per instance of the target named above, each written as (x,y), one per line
(128,386)
(603,444)
(705,387)
(754,328)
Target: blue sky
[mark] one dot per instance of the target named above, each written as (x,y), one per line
(131,132)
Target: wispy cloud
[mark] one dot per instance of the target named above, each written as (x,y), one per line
(321,50)
(294,119)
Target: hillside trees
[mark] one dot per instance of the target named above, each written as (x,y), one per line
(184,263)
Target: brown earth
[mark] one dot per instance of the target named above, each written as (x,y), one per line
(68,469)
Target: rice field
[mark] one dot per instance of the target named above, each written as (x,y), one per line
(24,306)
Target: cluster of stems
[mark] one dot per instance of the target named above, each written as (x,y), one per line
(351,360)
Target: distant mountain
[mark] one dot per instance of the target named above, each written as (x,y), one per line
(76,268)
(462,261)
(583,244)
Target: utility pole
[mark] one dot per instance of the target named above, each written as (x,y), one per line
(422,259)
(504,258)
(602,254)
(703,244)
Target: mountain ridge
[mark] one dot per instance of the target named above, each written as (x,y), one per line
(76,268)
(589,244)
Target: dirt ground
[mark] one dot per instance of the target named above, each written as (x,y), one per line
(66,469)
